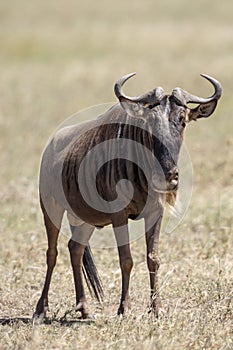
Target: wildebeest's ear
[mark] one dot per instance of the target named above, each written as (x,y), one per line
(134,109)
(202,111)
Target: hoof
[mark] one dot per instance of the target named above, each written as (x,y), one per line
(82,307)
(124,307)
(38,318)
(40,314)
(154,312)
(154,309)
(41,308)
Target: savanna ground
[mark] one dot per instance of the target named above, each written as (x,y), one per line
(58,57)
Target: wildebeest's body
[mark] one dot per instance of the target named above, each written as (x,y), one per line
(71,145)
(153,121)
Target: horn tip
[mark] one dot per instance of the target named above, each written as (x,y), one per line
(208,77)
(132,74)
(205,76)
(118,85)
(214,82)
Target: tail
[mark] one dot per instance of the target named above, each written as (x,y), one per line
(91,275)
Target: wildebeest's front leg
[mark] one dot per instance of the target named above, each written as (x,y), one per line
(126,261)
(153,261)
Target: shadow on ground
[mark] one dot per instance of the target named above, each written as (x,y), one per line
(47,321)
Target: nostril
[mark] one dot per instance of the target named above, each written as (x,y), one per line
(173,174)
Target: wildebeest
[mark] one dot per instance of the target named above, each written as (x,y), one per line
(120,166)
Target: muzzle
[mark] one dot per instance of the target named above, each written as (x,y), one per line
(166,182)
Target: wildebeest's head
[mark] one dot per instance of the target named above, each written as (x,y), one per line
(167,116)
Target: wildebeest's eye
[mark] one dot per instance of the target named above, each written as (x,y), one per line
(154,105)
(182,119)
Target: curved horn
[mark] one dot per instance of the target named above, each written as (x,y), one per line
(149,98)
(119,84)
(185,97)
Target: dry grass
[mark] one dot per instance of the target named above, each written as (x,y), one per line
(59,57)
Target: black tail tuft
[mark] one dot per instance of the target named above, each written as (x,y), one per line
(91,275)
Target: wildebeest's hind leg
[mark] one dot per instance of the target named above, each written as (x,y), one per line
(80,237)
(52,231)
